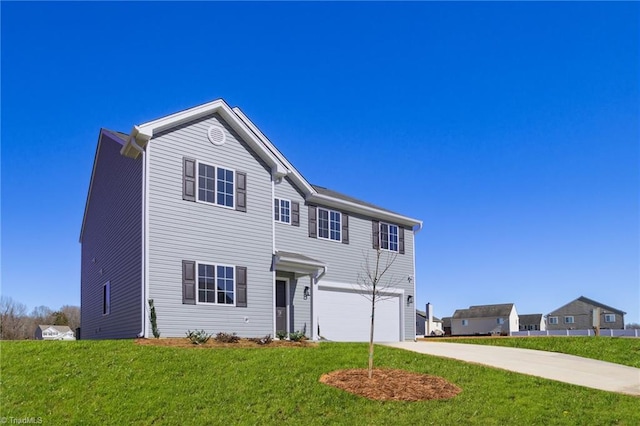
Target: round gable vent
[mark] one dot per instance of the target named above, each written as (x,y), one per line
(216,135)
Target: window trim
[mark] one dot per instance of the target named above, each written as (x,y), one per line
(215,281)
(465,322)
(388,241)
(215,186)
(566,319)
(606,316)
(279,219)
(106,298)
(553,320)
(329,211)
(500,320)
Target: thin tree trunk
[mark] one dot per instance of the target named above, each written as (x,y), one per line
(373,308)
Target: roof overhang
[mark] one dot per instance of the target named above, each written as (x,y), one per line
(298,264)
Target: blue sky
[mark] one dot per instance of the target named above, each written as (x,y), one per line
(511,129)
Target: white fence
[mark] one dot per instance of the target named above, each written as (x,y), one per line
(606,333)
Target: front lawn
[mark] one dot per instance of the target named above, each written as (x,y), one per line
(620,350)
(120,382)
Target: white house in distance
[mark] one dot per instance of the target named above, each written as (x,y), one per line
(485,319)
(54,332)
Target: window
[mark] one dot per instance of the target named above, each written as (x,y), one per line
(388,237)
(553,320)
(500,320)
(465,322)
(215,185)
(282,210)
(329,224)
(216,284)
(609,317)
(569,319)
(106,298)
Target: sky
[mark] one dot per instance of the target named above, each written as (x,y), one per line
(511,129)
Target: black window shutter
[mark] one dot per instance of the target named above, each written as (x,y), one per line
(241,286)
(188,282)
(401,239)
(345,228)
(313,226)
(276,209)
(241,191)
(295,213)
(188,179)
(375,234)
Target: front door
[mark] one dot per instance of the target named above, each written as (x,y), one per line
(281,306)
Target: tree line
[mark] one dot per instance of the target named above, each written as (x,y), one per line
(17,324)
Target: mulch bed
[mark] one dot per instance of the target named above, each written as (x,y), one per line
(391,385)
(212,343)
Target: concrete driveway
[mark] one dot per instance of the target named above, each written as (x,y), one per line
(572,369)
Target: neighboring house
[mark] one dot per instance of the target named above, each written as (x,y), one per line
(200,212)
(485,319)
(579,315)
(54,332)
(532,322)
(446,326)
(426,326)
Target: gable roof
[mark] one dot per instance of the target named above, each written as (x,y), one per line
(484,311)
(140,135)
(424,315)
(593,303)
(530,319)
(58,328)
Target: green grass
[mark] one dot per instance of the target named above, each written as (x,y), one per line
(119,382)
(619,350)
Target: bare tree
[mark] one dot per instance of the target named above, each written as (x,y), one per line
(73,316)
(374,281)
(632,326)
(14,322)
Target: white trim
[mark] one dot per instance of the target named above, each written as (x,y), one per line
(566,317)
(389,225)
(553,320)
(329,211)
(215,186)
(279,220)
(215,282)
(609,315)
(351,287)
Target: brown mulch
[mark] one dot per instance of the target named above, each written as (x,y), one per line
(242,343)
(391,385)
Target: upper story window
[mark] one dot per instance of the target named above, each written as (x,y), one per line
(609,317)
(553,320)
(216,284)
(282,210)
(329,224)
(215,185)
(569,319)
(388,237)
(500,320)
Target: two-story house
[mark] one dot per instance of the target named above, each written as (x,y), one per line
(485,319)
(201,213)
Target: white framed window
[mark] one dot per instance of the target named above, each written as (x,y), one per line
(569,319)
(500,320)
(329,224)
(388,236)
(553,320)
(609,317)
(465,322)
(216,185)
(216,284)
(106,298)
(282,210)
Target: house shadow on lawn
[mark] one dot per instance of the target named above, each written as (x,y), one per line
(391,385)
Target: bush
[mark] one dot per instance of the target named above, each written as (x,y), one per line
(297,336)
(198,337)
(154,321)
(262,340)
(223,337)
(281,335)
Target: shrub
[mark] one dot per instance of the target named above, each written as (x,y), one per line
(297,336)
(154,322)
(223,337)
(262,340)
(198,337)
(281,335)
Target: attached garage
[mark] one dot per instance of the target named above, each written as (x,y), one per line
(343,314)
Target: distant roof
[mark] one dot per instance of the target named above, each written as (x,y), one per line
(484,311)
(593,303)
(424,314)
(59,328)
(530,319)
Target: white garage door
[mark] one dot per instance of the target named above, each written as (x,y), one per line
(345,316)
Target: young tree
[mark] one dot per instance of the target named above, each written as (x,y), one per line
(14,322)
(374,281)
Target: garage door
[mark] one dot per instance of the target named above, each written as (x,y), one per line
(345,316)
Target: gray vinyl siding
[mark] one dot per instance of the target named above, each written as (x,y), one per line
(299,308)
(344,260)
(185,230)
(112,236)
(583,316)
